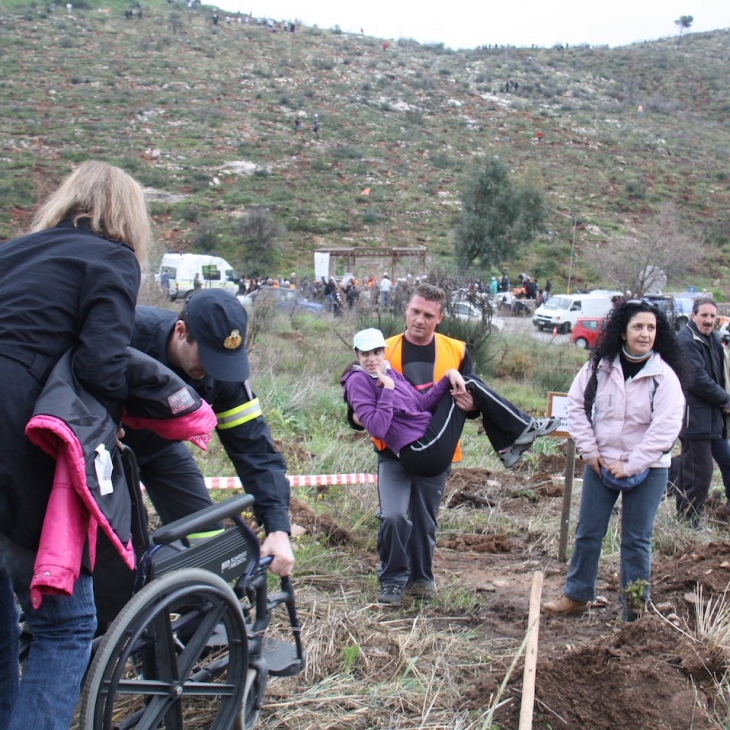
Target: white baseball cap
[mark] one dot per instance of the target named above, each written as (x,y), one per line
(369,339)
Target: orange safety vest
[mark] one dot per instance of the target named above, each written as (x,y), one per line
(449,354)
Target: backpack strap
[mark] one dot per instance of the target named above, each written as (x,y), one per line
(589,395)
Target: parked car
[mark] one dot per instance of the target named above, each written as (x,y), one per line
(586,330)
(677,308)
(466,311)
(289,300)
(469,312)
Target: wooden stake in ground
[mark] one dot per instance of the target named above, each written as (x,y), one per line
(567,496)
(528,676)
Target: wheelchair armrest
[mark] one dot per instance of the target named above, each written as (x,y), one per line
(178,529)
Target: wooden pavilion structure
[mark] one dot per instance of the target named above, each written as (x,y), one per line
(390,260)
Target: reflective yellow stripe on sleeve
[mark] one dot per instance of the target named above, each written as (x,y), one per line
(240,414)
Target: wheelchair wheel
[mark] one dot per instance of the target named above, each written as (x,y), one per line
(251,704)
(175,657)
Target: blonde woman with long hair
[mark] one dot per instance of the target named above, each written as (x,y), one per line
(71,283)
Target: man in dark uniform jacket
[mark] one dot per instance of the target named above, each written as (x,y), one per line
(206,346)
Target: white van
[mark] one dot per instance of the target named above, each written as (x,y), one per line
(563,310)
(178,272)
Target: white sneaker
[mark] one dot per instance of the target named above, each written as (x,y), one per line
(512,454)
(538,427)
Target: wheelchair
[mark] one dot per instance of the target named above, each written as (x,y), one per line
(191,641)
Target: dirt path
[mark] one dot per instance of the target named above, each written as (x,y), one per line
(594,672)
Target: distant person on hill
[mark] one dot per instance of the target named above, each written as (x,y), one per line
(338,301)
(352,292)
(315,126)
(165,281)
(297,124)
(386,287)
(329,293)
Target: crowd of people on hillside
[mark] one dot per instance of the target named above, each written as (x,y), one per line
(343,294)
(390,292)
(347,292)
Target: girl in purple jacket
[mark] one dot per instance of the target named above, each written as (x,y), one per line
(421,429)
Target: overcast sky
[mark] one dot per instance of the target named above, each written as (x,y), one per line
(470,23)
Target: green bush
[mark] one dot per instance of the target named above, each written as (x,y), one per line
(188,212)
(323,64)
(347,152)
(208,235)
(545,367)
(18,191)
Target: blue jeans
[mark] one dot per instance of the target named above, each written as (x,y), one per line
(638,510)
(62,629)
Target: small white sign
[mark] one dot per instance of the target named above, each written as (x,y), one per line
(321,265)
(558,406)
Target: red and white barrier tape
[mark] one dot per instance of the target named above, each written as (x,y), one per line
(305,480)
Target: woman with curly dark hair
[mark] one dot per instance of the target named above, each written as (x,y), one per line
(612,338)
(625,410)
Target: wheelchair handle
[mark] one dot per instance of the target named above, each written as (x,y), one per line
(179,529)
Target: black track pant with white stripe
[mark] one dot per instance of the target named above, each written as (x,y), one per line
(432,453)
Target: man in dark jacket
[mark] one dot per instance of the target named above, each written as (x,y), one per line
(206,346)
(707,399)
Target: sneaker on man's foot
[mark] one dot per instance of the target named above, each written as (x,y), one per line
(390,595)
(565,606)
(423,590)
(511,455)
(538,427)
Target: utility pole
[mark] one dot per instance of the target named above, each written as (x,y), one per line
(572,250)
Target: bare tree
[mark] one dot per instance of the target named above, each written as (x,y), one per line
(634,264)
